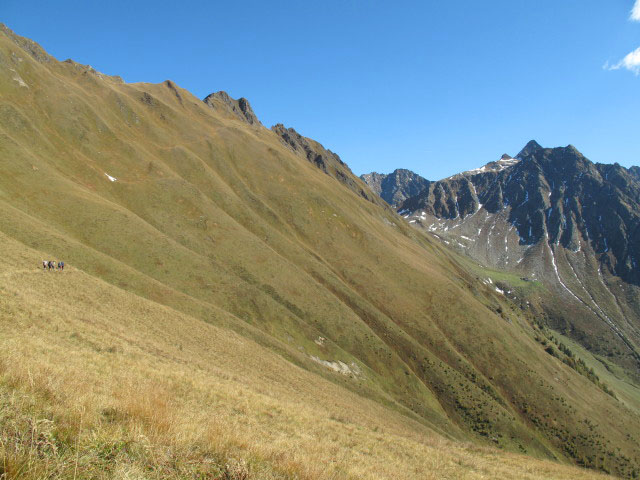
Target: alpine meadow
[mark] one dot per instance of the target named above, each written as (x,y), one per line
(236,304)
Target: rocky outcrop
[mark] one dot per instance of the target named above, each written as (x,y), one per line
(552,216)
(395,187)
(550,194)
(327,161)
(27,45)
(241,108)
(89,70)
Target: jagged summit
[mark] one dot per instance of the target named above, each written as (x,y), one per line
(555,216)
(315,152)
(397,186)
(323,158)
(530,148)
(561,158)
(550,193)
(240,108)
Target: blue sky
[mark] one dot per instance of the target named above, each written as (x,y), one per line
(433,86)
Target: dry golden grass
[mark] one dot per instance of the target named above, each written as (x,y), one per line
(100,383)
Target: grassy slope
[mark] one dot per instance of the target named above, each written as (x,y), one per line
(527,298)
(223,226)
(97,382)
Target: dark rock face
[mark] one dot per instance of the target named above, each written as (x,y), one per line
(551,216)
(552,194)
(327,161)
(240,108)
(313,151)
(396,187)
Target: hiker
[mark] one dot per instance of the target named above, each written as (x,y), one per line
(61,265)
(44,265)
(50,264)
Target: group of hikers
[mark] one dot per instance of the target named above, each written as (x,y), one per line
(52,265)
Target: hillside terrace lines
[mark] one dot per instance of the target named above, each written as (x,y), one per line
(257,334)
(154,226)
(182,245)
(58,237)
(171,300)
(221,373)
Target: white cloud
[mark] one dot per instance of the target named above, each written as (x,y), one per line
(631,62)
(635,12)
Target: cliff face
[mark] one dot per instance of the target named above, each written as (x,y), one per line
(395,187)
(555,195)
(241,108)
(552,215)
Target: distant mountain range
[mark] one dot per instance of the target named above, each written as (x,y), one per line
(552,215)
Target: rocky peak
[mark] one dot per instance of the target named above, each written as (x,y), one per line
(303,145)
(560,163)
(240,108)
(396,187)
(556,217)
(552,195)
(530,148)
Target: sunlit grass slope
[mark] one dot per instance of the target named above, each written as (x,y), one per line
(98,382)
(228,299)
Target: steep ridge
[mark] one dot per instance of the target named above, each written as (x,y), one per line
(153,196)
(397,186)
(324,159)
(240,108)
(552,215)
